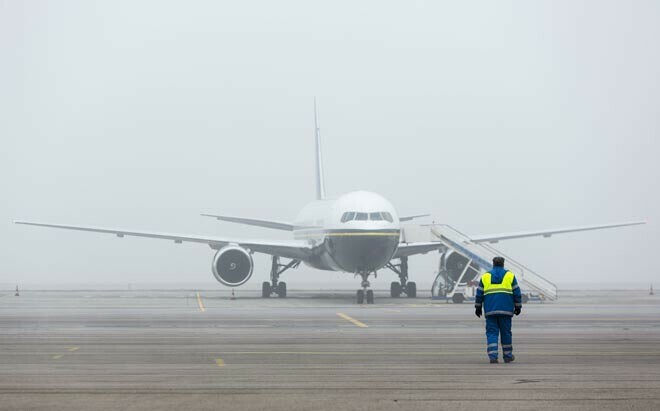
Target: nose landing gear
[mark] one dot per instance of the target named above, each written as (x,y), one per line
(365,291)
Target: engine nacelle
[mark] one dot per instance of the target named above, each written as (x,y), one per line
(455,264)
(232,265)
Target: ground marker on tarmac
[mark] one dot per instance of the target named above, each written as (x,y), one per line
(200,303)
(219,362)
(58,356)
(72,349)
(353,320)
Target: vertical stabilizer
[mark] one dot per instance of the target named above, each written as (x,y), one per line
(320,182)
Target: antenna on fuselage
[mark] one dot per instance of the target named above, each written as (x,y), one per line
(320,184)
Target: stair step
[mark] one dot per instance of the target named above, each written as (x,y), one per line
(482,255)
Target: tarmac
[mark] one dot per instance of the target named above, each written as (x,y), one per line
(189,349)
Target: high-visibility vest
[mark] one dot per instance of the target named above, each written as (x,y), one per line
(506,286)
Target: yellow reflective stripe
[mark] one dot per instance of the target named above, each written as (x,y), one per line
(505,287)
(485,280)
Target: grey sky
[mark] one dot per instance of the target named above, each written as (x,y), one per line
(493,116)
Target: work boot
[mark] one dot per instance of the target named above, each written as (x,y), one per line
(494,361)
(508,360)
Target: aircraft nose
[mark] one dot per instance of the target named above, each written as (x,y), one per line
(362,251)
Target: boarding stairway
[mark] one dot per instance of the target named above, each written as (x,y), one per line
(479,259)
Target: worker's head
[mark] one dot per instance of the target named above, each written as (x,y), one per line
(498,262)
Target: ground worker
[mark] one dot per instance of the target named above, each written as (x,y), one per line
(499,292)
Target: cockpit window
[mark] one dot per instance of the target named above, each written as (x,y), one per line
(377,216)
(361,216)
(348,216)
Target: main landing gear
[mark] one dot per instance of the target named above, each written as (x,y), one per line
(404,286)
(365,291)
(275,286)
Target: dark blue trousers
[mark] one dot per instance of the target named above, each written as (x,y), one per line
(499,326)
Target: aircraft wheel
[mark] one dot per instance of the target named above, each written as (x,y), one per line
(360,296)
(281,289)
(411,289)
(265,289)
(458,298)
(395,289)
(370,296)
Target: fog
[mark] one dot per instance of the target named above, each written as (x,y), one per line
(491,116)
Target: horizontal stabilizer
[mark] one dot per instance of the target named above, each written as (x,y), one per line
(408,249)
(412,217)
(275,225)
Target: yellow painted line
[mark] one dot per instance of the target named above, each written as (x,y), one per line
(219,362)
(200,304)
(58,356)
(72,349)
(352,320)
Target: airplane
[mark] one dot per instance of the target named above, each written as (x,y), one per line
(358,233)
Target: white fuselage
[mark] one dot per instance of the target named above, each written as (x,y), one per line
(357,232)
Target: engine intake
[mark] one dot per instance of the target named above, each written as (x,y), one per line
(455,264)
(232,265)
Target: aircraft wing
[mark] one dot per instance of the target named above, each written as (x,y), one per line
(276,225)
(286,249)
(494,238)
(408,249)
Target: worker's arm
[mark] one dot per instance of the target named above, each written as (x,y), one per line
(517,296)
(479,297)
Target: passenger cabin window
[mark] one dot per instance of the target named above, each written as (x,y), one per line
(348,216)
(361,216)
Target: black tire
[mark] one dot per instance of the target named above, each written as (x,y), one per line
(360,296)
(281,289)
(411,289)
(370,296)
(265,289)
(525,298)
(458,298)
(395,289)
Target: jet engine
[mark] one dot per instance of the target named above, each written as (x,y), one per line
(232,265)
(455,264)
